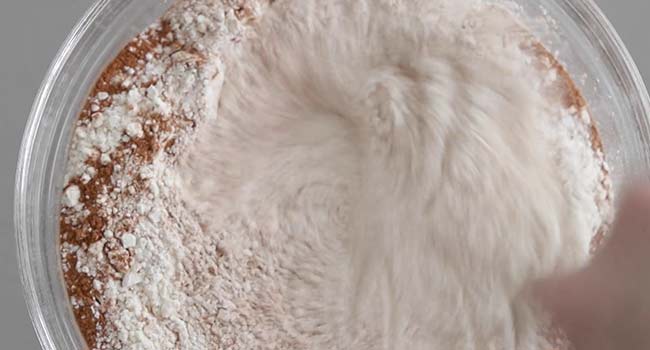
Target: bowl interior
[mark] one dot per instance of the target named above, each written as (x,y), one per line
(582,38)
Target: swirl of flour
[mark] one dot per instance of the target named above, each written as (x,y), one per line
(390,156)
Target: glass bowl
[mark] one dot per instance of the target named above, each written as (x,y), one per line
(105,28)
(582,38)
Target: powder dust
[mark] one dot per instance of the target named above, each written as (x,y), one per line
(373,174)
(402,176)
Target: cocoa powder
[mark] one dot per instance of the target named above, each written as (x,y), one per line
(136,152)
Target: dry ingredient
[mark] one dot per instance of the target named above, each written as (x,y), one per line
(143,270)
(139,117)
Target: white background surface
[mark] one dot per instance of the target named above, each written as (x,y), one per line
(31,32)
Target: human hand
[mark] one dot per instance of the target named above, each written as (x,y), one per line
(606,306)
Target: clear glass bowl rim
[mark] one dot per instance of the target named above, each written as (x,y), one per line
(52,324)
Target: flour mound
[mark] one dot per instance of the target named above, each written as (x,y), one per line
(385,168)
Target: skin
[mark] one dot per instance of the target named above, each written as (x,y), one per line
(606,306)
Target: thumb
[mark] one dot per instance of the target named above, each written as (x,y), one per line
(575,306)
(599,307)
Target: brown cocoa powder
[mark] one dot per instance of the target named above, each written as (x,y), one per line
(89,229)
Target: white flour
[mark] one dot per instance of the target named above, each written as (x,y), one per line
(366,175)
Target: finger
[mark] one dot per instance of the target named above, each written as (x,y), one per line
(627,251)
